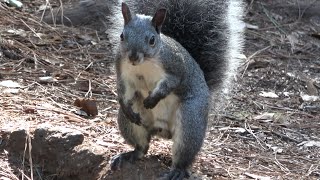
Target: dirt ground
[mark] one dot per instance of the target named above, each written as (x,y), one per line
(269,129)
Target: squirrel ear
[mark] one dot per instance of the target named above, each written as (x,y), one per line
(126,13)
(158,19)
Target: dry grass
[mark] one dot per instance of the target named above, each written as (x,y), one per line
(238,146)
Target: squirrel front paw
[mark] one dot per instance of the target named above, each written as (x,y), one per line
(150,102)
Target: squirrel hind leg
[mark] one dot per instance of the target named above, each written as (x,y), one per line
(188,136)
(136,136)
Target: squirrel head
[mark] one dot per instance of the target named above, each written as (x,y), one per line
(140,38)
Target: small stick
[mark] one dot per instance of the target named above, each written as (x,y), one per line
(30,29)
(30,156)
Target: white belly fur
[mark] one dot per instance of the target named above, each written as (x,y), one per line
(166,112)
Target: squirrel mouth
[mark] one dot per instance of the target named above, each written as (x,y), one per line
(136,62)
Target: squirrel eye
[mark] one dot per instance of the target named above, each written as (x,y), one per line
(121,37)
(152,41)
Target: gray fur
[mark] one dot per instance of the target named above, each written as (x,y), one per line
(169,84)
(182,77)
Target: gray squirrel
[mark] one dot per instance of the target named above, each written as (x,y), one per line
(168,68)
(171,67)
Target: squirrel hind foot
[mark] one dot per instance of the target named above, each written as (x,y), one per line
(174,174)
(119,160)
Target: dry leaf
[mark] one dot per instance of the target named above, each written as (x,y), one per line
(254,176)
(264,116)
(47,79)
(11,91)
(87,105)
(30,110)
(268,94)
(310,144)
(308,98)
(10,84)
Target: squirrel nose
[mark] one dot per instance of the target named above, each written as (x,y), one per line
(135,57)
